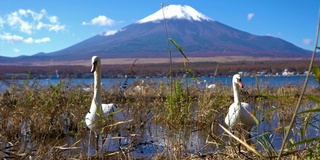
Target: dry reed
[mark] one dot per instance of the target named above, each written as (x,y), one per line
(45,121)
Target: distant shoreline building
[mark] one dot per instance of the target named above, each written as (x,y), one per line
(287,73)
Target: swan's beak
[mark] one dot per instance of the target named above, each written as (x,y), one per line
(93,68)
(240,83)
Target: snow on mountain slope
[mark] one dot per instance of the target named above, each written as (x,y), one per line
(196,33)
(175,12)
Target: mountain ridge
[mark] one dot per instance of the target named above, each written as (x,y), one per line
(197,34)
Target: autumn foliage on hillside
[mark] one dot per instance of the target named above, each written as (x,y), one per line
(159,70)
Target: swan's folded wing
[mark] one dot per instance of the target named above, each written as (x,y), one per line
(113,110)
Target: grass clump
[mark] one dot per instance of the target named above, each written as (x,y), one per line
(47,120)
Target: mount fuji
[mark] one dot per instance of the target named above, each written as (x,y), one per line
(197,34)
(175,12)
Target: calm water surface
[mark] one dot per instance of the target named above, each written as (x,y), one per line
(196,140)
(109,82)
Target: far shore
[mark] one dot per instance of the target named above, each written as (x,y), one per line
(122,61)
(159,67)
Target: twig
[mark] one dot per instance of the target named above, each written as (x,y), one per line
(302,92)
(169,48)
(242,142)
(216,70)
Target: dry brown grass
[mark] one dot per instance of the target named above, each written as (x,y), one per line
(195,111)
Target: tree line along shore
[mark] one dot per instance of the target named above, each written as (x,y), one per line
(157,70)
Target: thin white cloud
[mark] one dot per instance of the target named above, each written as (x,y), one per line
(279,34)
(40,25)
(28,21)
(39,16)
(53,19)
(18,39)
(26,27)
(307,41)
(11,38)
(100,21)
(28,40)
(250,16)
(56,27)
(111,32)
(42,40)
(15,20)
(22,12)
(16,50)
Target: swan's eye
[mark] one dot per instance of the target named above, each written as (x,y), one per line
(95,62)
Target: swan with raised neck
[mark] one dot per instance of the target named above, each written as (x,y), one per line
(239,112)
(97,115)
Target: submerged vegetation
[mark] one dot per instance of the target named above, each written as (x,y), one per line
(47,121)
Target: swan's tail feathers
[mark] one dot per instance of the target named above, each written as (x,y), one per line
(118,115)
(113,111)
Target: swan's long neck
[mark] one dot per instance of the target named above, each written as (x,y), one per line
(96,101)
(236,93)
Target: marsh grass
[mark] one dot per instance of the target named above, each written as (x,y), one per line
(38,120)
(177,119)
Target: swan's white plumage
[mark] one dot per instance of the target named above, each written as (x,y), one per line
(239,111)
(209,86)
(99,113)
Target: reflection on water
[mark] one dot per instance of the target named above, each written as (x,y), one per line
(271,130)
(153,138)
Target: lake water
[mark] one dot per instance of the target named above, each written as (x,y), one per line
(155,133)
(247,81)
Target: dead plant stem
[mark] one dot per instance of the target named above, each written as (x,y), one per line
(302,92)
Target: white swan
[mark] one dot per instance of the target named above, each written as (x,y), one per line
(239,112)
(209,86)
(100,113)
(139,88)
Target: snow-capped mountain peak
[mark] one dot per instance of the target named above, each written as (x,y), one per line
(175,12)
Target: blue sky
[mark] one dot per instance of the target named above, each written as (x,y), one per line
(33,26)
